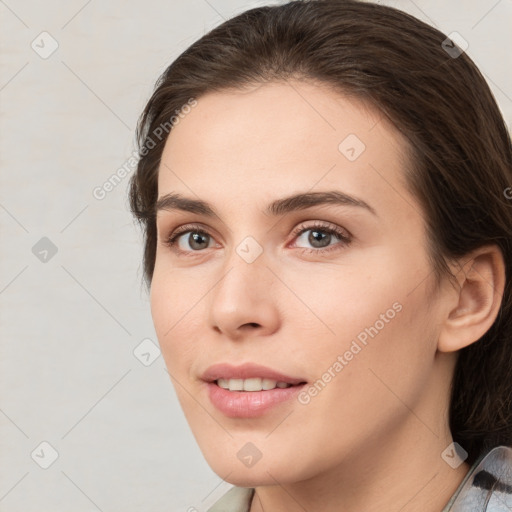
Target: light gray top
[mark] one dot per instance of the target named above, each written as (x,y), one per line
(487,487)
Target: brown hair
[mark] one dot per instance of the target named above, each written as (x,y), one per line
(459,147)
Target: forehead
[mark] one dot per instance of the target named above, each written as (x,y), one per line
(272,139)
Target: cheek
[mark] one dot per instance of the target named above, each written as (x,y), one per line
(364,323)
(336,302)
(172,303)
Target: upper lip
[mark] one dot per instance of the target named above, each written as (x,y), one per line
(247,371)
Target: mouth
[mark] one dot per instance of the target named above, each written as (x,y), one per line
(249,390)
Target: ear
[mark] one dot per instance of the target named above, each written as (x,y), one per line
(473,303)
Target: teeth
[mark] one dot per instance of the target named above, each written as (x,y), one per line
(255,384)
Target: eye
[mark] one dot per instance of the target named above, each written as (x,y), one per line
(321,235)
(198,238)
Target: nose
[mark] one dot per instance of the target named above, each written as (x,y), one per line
(241,302)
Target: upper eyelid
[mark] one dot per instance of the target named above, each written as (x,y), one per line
(184,228)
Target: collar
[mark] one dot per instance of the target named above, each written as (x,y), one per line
(488,485)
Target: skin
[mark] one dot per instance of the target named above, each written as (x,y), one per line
(372,438)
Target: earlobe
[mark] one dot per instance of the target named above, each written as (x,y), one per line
(475,303)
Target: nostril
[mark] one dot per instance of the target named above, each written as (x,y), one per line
(251,324)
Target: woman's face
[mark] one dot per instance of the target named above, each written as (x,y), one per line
(352,313)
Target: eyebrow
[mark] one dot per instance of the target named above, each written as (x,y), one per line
(301,201)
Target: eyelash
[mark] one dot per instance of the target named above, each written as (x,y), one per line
(194,228)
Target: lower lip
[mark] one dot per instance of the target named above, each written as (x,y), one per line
(249,404)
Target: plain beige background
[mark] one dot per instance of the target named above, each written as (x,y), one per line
(80,369)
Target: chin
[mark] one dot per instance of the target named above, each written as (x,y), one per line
(250,480)
(266,471)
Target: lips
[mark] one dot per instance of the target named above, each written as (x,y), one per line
(249,404)
(248,371)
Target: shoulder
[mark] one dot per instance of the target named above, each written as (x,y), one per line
(237,499)
(488,486)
